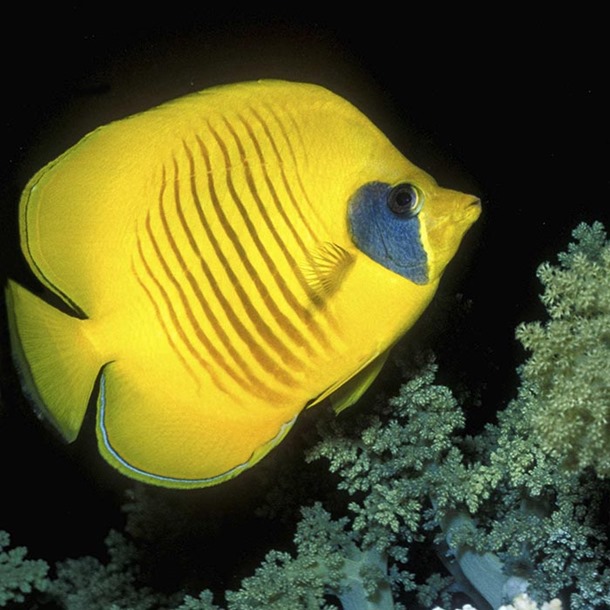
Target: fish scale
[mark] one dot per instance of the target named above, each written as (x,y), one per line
(232,258)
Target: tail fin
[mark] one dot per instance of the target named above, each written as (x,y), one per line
(57,362)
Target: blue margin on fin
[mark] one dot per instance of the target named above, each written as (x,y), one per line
(167,481)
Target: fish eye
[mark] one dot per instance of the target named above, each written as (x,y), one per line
(405,200)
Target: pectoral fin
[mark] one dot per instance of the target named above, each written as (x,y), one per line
(326,267)
(346,393)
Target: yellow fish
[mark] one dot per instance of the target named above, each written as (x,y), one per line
(226,260)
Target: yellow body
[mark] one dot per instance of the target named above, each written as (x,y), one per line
(205,248)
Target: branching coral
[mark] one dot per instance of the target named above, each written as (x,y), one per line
(510,515)
(523,602)
(327,562)
(568,372)
(506,517)
(425,514)
(19,576)
(88,584)
(386,468)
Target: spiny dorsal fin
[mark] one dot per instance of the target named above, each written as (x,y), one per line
(327,265)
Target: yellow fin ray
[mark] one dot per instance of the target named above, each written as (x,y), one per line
(326,267)
(56,360)
(345,393)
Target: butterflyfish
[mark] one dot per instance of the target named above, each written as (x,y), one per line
(222,261)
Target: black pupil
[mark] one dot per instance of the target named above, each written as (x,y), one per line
(403,199)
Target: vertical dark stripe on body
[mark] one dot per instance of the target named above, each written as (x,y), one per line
(285,132)
(174,319)
(264,360)
(237,370)
(315,298)
(286,325)
(216,324)
(264,330)
(201,336)
(304,314)
(159,316)
(219,363)
(295,204)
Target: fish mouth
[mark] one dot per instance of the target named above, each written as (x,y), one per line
(447,234)
(471,212)
(464,217)
(456,222)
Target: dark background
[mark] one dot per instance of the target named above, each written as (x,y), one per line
(511,106)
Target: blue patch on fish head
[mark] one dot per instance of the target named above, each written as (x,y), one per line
(384,225)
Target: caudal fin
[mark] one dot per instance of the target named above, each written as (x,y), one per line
(57,362)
